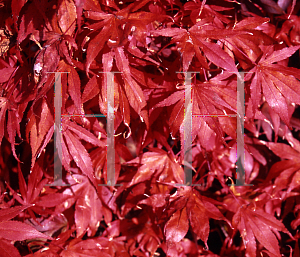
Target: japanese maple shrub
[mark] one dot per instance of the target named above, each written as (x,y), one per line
(71,70)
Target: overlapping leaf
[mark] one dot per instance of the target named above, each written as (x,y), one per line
(110,24)
(37,129)
(208,101)
(73,147)
(156,164)
(8,250)
(88,208)
(275,82)
(100,246)
(246,46)
(15,230)
(19,231)
(129,93)
(189,42)
(196,211)
(147,42)
(200,210)
(177,227)
(286,172)
(256,224)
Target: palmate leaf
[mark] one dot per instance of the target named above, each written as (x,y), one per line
(37,129)
(46,61)
(133,91)
(211,11)
(15,230)
(246,46)
(255,223)
(72,148)
(189,42)
(127,93)
(195,211)
(88,207)
(7,214)
(57,32)
(91,89)
(83,133)
(208,100)
(66,17)
(200,210)
(79,155)
(147,42)
(31,192)
(110,23)
(31,15)
(8,105)
(74,85)
(19,231)
(285,172)
(275,82)
(13,102)
(156,163)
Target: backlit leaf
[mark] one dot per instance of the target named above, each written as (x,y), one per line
(15,230)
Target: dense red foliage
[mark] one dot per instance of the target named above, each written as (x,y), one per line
(149,42)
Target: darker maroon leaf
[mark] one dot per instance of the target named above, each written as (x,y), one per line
(8,250)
